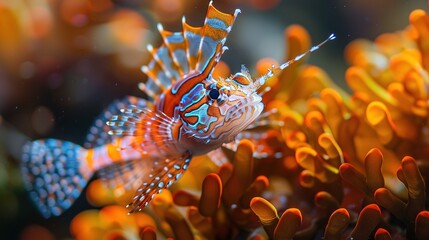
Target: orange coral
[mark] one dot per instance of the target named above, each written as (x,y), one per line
(111,222)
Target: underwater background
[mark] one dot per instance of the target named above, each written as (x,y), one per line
(355,140)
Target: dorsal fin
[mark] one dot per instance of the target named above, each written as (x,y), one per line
(217,26)
(192,36)
(175,42)
(193,50)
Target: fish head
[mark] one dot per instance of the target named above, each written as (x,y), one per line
(221,108)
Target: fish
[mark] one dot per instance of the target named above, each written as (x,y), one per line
(146,144)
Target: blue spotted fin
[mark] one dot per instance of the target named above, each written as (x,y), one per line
(161,176)
(194,50)
(53,174)
(98,132)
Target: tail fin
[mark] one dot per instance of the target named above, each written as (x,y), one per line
(53,174)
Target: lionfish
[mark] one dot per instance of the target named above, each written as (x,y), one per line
(148,144)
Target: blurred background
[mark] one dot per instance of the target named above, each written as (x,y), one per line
(63,61)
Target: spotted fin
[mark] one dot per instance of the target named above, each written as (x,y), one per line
(97,135)
(53,174)
(161,176)
(195,49)
(125,175)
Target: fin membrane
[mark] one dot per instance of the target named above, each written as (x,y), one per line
(161,176)
(53,174)
(98,132)
(152,130)
(125,174)
(195,49)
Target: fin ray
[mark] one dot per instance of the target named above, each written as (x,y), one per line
(152,130)
(195,49)
(176,45)
(161,177)
(97,134)
(124,174)
(217,26)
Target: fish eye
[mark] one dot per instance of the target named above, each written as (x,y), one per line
(214,94)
